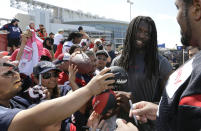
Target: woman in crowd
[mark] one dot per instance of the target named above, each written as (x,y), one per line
(31,26)
(42,33)
(48,44)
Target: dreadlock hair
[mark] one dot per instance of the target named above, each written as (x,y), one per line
(151,51)
(74,35)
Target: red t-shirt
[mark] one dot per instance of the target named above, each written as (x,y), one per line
(72,127)
(63,77)
(91,45)
(59,50)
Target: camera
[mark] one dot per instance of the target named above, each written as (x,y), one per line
(100,46)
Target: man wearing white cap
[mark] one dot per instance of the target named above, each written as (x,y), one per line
(57,38)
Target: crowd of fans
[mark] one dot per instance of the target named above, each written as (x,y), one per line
(46,73)
(53,83)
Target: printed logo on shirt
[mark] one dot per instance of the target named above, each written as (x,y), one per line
(23,64)
(16,29)
(178,78)
(121,81)
(96,103)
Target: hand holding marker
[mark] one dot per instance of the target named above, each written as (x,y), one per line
(134,117)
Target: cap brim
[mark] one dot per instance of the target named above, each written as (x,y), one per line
(56,62)
(105,54)
(46,70)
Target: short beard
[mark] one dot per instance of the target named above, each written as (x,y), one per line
(186,37)
(142,48)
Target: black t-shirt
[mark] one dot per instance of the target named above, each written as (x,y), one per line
(180,105)
(142,88)
(20,102)
(6,116)
(17,104)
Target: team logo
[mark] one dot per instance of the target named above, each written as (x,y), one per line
(178,78)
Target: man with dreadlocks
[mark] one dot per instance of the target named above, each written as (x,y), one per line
(147,69)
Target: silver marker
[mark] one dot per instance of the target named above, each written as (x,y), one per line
(134,117)
(40,80)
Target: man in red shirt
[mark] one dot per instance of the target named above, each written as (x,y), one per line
(63,62)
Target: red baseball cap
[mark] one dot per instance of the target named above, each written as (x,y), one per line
(46,53)
(104,102)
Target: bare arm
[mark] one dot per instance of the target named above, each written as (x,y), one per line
(58,109)
(23,44)
(124,126)
(85,35)
(72,76)
(144,111)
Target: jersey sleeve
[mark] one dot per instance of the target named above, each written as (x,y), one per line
(189,109)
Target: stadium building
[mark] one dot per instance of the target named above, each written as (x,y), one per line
(54,18)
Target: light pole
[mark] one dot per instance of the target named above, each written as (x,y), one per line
(131,3)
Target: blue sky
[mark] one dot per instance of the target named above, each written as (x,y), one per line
(162,11)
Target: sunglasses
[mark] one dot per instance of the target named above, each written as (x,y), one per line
(48,75)
(15,68)
(9,73)
(102,58)
(11,69)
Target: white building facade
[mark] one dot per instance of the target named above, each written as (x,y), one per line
(54,18)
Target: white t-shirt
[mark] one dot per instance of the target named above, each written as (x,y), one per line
(26,65)
(97,71)
(67,46)
(58,38)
